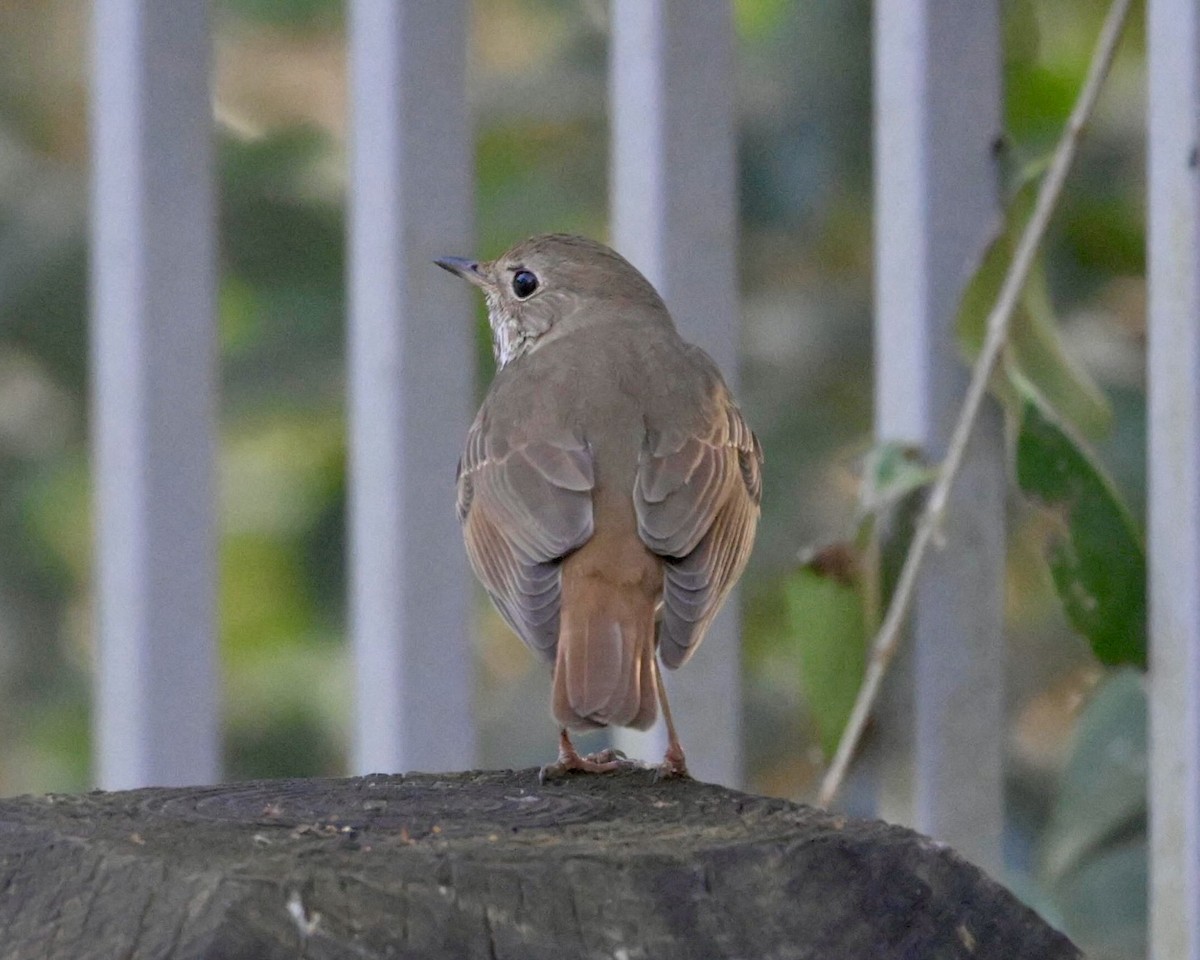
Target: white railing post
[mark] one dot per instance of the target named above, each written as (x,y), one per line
(411,383)
(153,394)
(937,118)
(1173,60)
(674,215)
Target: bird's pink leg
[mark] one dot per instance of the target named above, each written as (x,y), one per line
(673,765)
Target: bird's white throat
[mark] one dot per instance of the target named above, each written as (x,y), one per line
(509,341)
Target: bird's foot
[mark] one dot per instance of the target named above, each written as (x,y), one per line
(569,761)
(673,766)
(608,755)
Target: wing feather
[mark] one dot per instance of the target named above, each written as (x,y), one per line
(697,502)
(524,507)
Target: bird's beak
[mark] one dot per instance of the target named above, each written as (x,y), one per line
(462,267)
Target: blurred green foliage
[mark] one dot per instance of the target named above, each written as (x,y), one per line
(1035,351)
(1097,559)
(287,14)
(826,619)
(1092,857)
(537,91)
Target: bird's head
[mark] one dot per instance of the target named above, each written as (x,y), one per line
(545,283)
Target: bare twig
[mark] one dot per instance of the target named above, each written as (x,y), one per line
(888,638)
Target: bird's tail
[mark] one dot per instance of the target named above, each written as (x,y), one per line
(604,667)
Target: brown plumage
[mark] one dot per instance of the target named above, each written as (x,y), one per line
(609,489)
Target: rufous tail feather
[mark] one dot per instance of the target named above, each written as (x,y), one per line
(603,671)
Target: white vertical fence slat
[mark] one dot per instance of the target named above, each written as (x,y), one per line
(937,116)
(1173,47)
(411,382)
(153,394)
(674,216)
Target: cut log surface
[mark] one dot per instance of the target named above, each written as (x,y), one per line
(488,865)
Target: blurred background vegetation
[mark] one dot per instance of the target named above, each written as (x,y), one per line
(1076,744)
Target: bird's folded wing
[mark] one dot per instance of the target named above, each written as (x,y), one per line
(523,508)
(697,500)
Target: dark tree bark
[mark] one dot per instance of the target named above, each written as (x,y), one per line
(489,865)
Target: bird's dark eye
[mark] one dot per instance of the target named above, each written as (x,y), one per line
(524,283)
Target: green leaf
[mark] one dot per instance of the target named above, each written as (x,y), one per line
(1035,348)
(1103,904)
(757,20)
(825,616)
(1022,36)
(890,494)
(1102,794)
(892,472)
(1037,351)
(1093,853)
(1097,559)
(1107,233)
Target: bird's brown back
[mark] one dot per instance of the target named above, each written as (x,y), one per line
(608,472)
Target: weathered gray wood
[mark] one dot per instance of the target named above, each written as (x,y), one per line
(674,215)
(154,394)
(487,865)
(1173,34)
(937,118)
(411,376)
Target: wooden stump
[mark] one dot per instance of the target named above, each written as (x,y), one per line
(488,865)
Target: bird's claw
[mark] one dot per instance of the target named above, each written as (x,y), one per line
(673,766)
(607,755)
(670,771)
(603,761)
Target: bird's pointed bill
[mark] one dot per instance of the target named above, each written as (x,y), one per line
(463,267)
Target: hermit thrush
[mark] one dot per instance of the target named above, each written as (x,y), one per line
(609,489)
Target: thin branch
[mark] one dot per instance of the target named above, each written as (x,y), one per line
(887,640)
